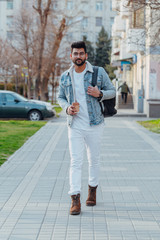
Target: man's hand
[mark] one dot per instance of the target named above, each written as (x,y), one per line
(93,91)
(71,110)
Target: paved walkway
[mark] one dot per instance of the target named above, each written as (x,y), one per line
(34,204)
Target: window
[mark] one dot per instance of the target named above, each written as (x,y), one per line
(99,21)
(9,98)
(55,5)
(85,6)
(9,35)
(138,18)
(99,6)
(85,22)
(25,4)
(111,21)
(111,5)
(9,21)
(70,5)
(9,4)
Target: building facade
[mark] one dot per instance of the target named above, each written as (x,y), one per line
(8,10)
(92,16)
(136,53)
(85,18)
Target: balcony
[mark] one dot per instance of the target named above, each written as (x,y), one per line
(120,25)
(115,51)
(115,60)
(115,34)
(124,54)
(116,5)
(115,55)
(124,9)
(135,40)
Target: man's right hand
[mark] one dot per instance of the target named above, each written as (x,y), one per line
(71,110)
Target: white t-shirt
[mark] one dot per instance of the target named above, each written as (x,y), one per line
(81,119)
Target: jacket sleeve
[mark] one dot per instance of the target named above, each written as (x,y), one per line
(128,89)
(62,100)
(108,88)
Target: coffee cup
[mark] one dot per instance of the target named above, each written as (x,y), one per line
(76,105)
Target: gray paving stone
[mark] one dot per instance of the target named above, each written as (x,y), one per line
(34,201)
(22,237)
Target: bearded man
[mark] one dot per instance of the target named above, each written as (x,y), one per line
(85,120)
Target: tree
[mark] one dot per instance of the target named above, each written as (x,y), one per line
(51,64)
(90,51)
(43,17)
(24,44)
(110,70)
(103,46)
(38,38)
(7,61)
(91,58)
(52,32)
(38,33)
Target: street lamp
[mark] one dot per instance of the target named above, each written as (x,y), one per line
(16,72)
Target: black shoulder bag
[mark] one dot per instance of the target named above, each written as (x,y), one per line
(108,108)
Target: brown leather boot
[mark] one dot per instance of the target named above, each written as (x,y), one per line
(91,200)
(76,205)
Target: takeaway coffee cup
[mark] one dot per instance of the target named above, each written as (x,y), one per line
(76,105)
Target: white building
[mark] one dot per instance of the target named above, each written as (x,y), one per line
(85,17)
(8,9)
(93,15)
(136,55)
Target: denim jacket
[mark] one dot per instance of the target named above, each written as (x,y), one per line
(66,95)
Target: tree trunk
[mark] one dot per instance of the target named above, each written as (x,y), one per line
(5,84)
(51,65)
(44,90)
(43,19)
(29,87)
(53,78)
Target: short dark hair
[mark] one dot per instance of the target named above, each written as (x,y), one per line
(79,44)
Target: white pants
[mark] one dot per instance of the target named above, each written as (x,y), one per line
(77,140)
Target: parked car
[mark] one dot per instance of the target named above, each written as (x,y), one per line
(13,105)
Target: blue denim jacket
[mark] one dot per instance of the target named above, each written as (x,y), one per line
(66,95)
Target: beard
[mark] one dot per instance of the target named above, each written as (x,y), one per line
(79,62)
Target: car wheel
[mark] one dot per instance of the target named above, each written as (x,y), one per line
(34,115)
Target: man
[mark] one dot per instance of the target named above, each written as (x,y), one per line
(124,92)
(85,120)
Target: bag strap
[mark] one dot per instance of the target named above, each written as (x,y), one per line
(94,76)
(94,82)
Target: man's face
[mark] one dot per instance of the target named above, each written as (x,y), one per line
(78,56)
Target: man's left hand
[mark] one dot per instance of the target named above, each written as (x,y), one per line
(93,91)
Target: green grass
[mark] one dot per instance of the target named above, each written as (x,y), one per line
(58,109)
(13,134)
(151,125)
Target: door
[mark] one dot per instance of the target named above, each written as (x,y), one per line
(1,106)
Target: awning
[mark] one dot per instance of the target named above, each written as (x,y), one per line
(126,60)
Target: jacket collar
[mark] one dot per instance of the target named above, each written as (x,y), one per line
(88,66)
